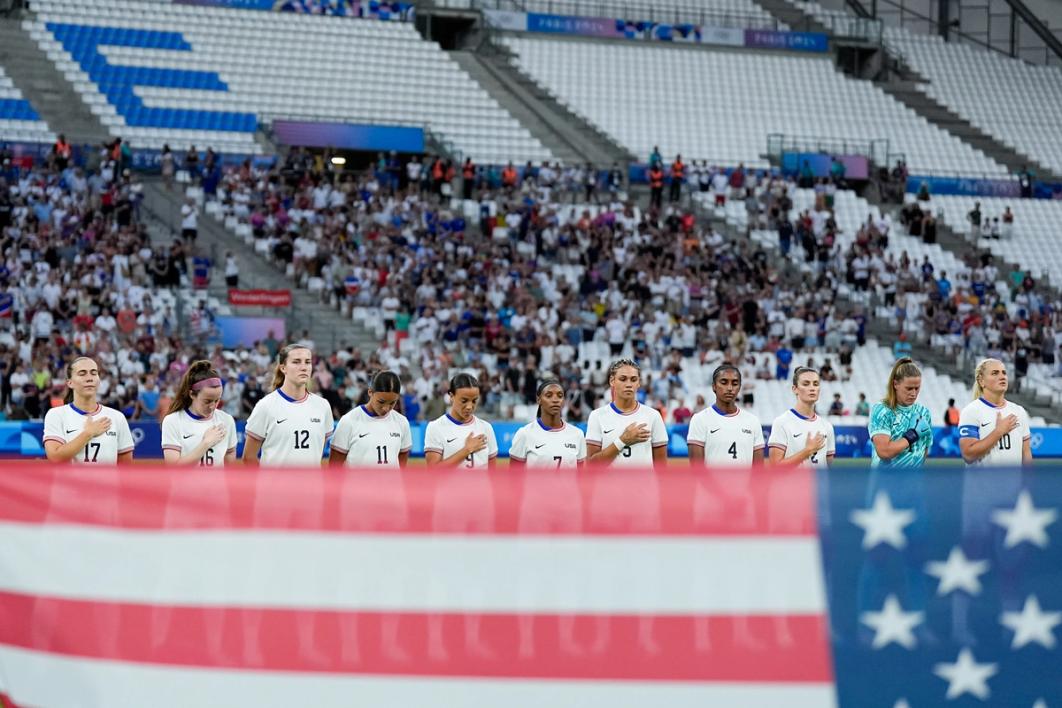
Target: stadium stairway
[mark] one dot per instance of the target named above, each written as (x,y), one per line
(905,88)
(37,77)
(567,136)
(328,328)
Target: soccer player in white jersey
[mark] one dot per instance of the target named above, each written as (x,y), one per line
(458,438)
(374,433)
(460,443)
(83,430)
(196,430)
(722,435)
(799,436)
(990,427)
(548,441)
(290,425)
(624,432)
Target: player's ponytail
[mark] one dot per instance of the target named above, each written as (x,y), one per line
(904,368)
(197,373)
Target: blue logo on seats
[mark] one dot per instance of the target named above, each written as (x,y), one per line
(117,82)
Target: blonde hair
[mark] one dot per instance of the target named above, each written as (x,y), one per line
(904,368)
(979,371)
(282,358)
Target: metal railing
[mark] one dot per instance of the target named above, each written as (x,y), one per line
(875,149)
(692,13)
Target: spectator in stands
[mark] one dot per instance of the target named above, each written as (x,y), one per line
(189,220)
(901,347)
(656,185)
(862,407)
(974,218)
(951,416)
(1007,230)
(678,179)
(836,407)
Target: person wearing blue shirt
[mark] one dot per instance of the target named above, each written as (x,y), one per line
(900,428)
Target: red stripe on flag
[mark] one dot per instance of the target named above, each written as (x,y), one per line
(597,501)
(612,647)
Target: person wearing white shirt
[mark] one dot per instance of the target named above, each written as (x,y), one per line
(723,435)
(196,431)
(189,220)
(992,430)
(289,426)
(548,441)
(625,432)
(374,433)
(84,431)
(799,436)
(458,438)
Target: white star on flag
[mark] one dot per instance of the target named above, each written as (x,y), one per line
(957,573)
(902,703)
(966,676)
(1040,704)
(1032,624)
(1025,522)
(882,523)
(892,624)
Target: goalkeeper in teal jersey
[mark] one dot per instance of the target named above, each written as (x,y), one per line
(900,428)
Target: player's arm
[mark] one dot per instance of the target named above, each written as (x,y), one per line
(659,455)
(336,458)
(888,448)
(632,435)
(251,447)
(58,451)
(125,458)
(403,458)
(230,456)
(1026,451)
(815,443)
(757,457)
(696,453)
(974,447)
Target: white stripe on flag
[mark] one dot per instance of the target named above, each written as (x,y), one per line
(105,684)
(658,575)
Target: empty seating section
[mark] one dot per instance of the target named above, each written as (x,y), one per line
(722,105)
(1016,103)
(18,121)
(184,74)
(1034,243)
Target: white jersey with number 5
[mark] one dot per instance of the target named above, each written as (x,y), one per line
(183,431)
(607,423)
(539,446)
(978,418)
(446,436)
(368,439)
(728,440)
(293,433)
(65,423)
(790,432)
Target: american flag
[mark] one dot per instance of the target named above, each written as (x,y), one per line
(175,587)
(945,586)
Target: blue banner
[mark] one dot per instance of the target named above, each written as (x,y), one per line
(349,136)
(960,187)
(18,438)
(790,41)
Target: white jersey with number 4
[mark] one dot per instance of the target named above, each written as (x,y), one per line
(293,432)
(183,431)
(978,418)
(607,423)
(728,440)
(446,436)
(65,423)
(790,432)
(539,446)
(369,440)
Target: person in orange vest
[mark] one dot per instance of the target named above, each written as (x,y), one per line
(951,415)
(656,186)
(62,152)
(509,177)
(437,173)
(468,178)
(678,177)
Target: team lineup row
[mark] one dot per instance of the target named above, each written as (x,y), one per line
(291,426)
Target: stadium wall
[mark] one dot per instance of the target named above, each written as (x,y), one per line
(22,439)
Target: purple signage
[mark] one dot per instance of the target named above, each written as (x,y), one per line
(789,41)
(349,136)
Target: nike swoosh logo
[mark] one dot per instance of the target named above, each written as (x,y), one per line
(797,435)
(187,436)
(713,432)
(606,432)
(281,421)
(71,431)
(362,435)
(982,425)
(538,446)
(451,440)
